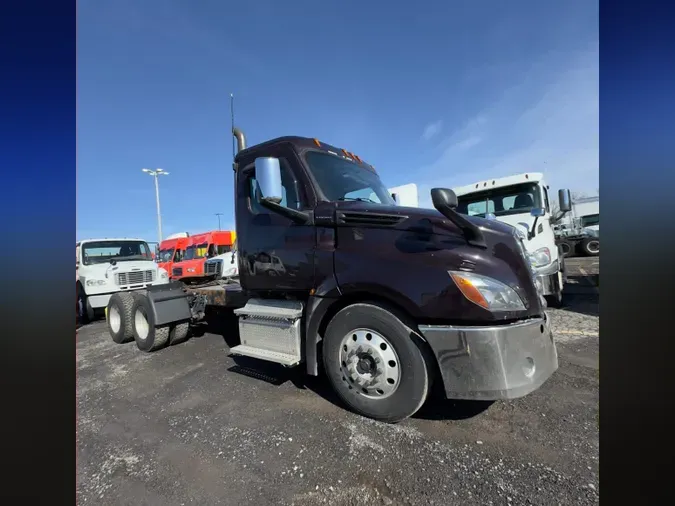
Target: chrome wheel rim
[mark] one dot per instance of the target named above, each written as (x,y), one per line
(369,364)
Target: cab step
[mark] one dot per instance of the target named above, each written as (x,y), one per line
(271,329)
(270,356)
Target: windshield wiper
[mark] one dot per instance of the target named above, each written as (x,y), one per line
(358,199)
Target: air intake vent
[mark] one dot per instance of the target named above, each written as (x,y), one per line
(359,218)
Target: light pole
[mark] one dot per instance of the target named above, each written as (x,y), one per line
(219,215)
(156,173)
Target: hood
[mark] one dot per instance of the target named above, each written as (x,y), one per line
(225,256)
(410,219)
(409,251)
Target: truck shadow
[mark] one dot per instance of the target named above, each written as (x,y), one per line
(225,325)
(582,296)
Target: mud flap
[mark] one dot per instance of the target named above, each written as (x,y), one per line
(169,303)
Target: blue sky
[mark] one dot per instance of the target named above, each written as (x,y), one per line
(443,94)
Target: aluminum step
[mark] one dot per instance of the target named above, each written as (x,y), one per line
(271,356)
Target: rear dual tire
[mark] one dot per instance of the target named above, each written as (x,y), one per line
(591,246)
(119,317)
(390,390)
(150,337)
(130,318)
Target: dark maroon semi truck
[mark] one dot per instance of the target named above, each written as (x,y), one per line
(388,299)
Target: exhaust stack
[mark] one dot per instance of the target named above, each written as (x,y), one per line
(241,139)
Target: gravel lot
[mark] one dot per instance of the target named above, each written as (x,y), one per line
(189,425)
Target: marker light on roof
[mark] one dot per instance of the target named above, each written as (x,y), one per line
(316,141)
(527,177)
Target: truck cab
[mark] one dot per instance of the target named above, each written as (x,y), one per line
(523,202)
(223,266)
(388,299)
(107,266)
(171,251)
(198,249)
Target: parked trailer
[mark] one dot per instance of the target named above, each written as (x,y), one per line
(389,299)
(579,233)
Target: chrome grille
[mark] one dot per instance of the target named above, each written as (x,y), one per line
(134,277)
(213,267)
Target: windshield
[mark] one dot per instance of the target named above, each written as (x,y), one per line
(590,220)
(514,199)
(195,252)
(98,252)
(340,179)
(165,255)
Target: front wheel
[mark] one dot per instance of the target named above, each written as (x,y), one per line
(374,364)
(85,313)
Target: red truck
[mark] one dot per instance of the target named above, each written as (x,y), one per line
(198,249)
(171,251)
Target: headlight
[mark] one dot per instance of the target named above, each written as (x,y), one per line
(191,269)
(486,292)
(231,271)
(96,282)
(163,274)
(541,257)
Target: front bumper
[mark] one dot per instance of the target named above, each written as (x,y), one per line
(491,363)
(549,278)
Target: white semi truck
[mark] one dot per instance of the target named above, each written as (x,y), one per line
(108,266)
(224,266)
(523,201)
(405,195)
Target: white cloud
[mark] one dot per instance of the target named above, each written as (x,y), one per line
(432,130)
(556,131)
(468,143)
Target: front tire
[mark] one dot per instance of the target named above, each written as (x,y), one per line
(85,313)
(148,337)
(556,300)
(374,364)
(119,317)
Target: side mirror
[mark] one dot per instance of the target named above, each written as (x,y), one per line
(565,201)
(394,197)
(268,174)
(537,212)
(443,197)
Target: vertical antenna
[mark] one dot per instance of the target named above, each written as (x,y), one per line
(234,154)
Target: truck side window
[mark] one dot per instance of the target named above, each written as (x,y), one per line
(289,194)
(548,209)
